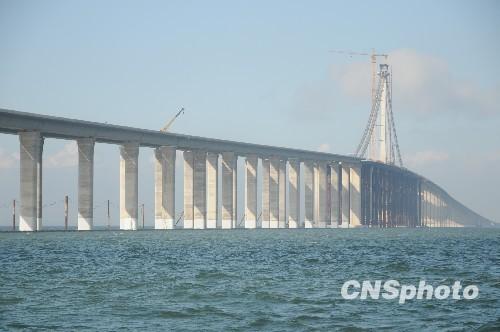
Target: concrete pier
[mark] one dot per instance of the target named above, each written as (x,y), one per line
(308,194)
(282,222)
(294,194)
(345,197)
(39,190)
(355,196)
(315,195)
(434,222)
(274,193)
(165,157)
(251,192)
(129,154)
(425,207)
(85,184)
(321,205)
(212,195)
(236,221)
(188,190)
(228,190)
(432,209)
(200,190)
(429,209)
(266,168)
(30,165)
(335,192)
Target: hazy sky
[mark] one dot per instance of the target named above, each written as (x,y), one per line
(260,72)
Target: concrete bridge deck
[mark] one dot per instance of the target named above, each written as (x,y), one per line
(13,122)
(339,191)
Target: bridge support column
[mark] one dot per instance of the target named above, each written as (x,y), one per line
(165,187)
(315,195)
(274,193)
(320,195)
(266,170)
(442,211)
(335,192)
(236,221)
(282,222)
(228,190)
(345,201)
(429,209)
(188,189)
(294,194)
(432,209)
(436,210)
(31,145)
(355,196)
(39,199)
(309,194)
(422,206)
(85,183)
(212,195)
(129,154)
(426,208)
(200,190)
(251,192)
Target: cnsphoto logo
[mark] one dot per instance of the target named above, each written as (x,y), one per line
(393,289)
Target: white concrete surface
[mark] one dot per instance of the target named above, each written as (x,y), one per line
(294,194)
(200,190)
(165,187)
(85,184)
(212,194)
(309,194)
(335,191)
(30,155)
(228,190)
(282,197)
(129,154)
(345,204)
(355,196)
(274,193)
(266,165)
(251,192)
(188,189)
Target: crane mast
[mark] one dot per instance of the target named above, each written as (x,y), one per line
(373,57)
(169,124)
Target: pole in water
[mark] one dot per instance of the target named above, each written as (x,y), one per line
(14,215)
(109,222)
(142,212)
(66,212)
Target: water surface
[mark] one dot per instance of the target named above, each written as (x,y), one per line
(216,280)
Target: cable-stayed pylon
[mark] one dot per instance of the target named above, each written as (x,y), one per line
(380,139)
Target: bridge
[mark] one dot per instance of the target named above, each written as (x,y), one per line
(339,191)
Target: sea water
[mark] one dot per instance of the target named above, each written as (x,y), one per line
(232,280)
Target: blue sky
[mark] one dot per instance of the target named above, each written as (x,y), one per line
(257,71)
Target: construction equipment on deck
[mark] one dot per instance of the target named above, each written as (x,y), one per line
(373,57)
(169,124)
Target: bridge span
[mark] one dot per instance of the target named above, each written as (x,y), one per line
(339,191)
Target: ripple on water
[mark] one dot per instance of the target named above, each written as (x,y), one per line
(242,280)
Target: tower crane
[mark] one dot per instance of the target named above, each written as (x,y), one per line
(373,57)
(165,128)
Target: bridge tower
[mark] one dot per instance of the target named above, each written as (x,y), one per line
(379,138)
